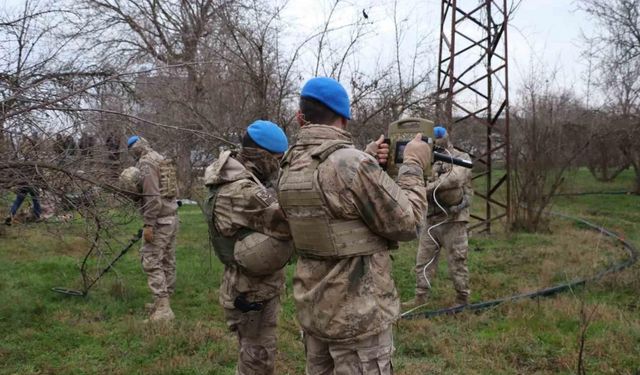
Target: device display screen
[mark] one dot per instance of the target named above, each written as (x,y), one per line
(400,145)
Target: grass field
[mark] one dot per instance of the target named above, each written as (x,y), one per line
(47,333)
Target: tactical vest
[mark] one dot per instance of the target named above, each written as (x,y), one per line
(315,233)
(168,179)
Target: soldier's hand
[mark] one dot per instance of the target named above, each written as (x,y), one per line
(148,234)
(454,210)
(379,150)
(418,152)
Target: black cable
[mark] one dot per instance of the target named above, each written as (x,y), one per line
(621,192)
(632,251)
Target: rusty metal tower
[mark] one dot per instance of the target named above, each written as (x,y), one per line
(473,90)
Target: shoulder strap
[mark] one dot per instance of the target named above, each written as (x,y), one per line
(323,151)
(256,180)
(286,159)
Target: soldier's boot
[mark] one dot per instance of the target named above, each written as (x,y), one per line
(163,312)
(418,300)
(8,220)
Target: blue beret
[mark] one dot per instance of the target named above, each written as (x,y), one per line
(133,139)
(329,92)
(439,132)
(269,136)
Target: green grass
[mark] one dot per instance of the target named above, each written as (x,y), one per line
(580,180)
(48,333)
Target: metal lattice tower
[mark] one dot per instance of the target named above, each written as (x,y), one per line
(473,90)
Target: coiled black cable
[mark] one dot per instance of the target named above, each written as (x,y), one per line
(631,250)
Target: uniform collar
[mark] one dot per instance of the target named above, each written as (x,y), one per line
(317,134)
(225,169)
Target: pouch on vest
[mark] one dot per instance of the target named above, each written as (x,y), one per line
(168,179)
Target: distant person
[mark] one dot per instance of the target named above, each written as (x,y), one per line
(112,144)
(86,145)
(250,235)
(64,146)
(25,180)
(21,194)
(449,192)
(159,212)
(344,211)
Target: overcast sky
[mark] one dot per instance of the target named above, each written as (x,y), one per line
(549,32)
(544,32)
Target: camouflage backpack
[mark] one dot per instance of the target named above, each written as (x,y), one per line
(223,246)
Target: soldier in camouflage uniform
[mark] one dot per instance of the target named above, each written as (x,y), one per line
(345,213)
(159,212)
(450,189)
(250,235)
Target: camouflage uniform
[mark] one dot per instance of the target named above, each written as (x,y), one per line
(158,257)
(243,202)
(450,230)
(346,306)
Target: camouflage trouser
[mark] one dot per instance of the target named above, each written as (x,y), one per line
(453,239)
(256,332)
(159,257)
(371,356)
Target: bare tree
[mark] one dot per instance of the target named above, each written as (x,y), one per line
(402,87)
(47,72)
(618,41)
(38,69)
(621,84)
(221,67)
(543,147)
(43,72)
(168,34)
(620,21)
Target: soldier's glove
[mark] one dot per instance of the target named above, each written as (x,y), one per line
(148,234)
(418,152)
(243,305)
(379,150)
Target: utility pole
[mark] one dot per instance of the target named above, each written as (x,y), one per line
(473,90)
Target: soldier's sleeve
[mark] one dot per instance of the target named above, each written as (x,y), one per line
(467,188)
(392,210)
(151,202)
(258,209)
